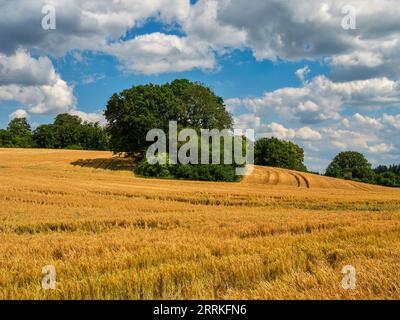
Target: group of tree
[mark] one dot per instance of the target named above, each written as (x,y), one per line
(132,113)
(388,175)
(273,152)
(67,132)
(18,134)
(352,165)
(349,165)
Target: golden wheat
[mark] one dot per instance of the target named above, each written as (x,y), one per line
(277,235)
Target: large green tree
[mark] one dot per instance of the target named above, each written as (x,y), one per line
(199,107)
(132,113)
(92,137)
(279,153)
(45,136)
(350,165)
(67,130)
(20,133)
(5,139)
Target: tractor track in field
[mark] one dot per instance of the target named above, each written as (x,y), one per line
(276,178)
(306,181)
(302,181)
(296,178)
(270,176)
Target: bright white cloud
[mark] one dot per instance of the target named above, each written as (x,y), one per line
(302,73)
(248,121)
(251,121)
(20,113)
(90,117)
(158,53)
(390,120)
(358,58)
(349,139)
(20,68)
(34,83)
(305,133)
(377,136)
(296,30)
(381,148)
(203,24)
(82,25)
(321,99)
(364,134)
(370,122)
(289,30)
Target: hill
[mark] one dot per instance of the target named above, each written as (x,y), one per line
(110,235)
(282,177)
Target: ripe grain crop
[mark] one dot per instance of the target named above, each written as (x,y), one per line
(278,234)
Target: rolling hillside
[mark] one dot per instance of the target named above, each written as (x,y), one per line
(282,177)
(110,235)
(261,176)
(267,176)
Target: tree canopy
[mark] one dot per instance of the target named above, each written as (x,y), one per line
(278,153)
(132,113)
(388,175)
(67,132)
(19,133)
(350,165)
(45,136)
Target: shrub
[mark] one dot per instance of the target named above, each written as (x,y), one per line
(146,169)
(74,147)
(201,172)
(205,172)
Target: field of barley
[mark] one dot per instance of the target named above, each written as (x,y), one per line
(110,235)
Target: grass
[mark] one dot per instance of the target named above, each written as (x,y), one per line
(110,235)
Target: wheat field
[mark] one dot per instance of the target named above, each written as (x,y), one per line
(110,235)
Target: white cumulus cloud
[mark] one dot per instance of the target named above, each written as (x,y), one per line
(321,99)
(158,53)
(20,113)
(34,83)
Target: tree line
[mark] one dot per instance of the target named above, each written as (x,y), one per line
(132,113)
(66,132)
(351,165)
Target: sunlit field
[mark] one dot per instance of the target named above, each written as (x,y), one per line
(111,235)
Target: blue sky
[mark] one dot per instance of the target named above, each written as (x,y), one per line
(238,75)
(285,68)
